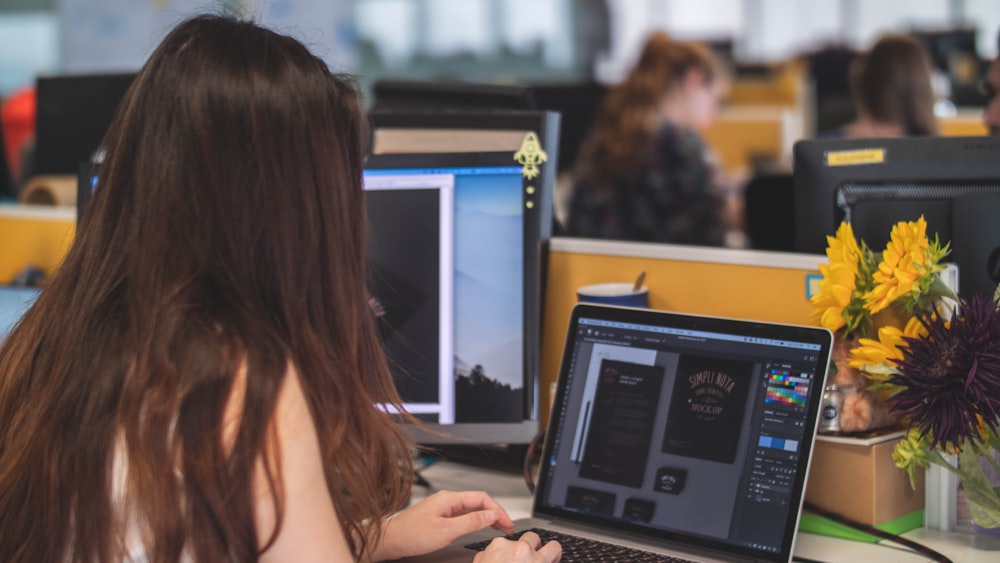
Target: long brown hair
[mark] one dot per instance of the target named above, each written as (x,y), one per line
(627,118)
(892,84)
(227,229)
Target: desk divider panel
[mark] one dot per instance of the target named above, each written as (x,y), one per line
(34,235)
(750,284)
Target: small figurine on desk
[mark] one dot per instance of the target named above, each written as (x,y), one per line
(860,409)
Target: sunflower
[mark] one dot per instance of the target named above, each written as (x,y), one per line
(906,272)
(838,303)
(948,382)
(878,358)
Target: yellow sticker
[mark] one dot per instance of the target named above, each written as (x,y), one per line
(855,157)
(530,156)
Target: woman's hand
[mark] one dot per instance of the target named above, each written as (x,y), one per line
(438,520)
(527,549)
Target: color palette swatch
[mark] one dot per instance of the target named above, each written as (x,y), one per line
(783,388)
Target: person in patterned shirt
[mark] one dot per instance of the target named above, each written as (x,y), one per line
(644,173)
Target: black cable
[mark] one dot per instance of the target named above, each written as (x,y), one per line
(421,481)
(529,460)
(418,478)
(872,530)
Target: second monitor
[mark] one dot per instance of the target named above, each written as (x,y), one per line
(457,243)
(954,182)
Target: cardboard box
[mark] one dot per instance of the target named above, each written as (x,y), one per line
(856,478)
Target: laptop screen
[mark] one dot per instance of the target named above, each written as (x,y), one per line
(14,302)
(691,429)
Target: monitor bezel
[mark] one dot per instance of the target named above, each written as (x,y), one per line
(450,94)
(915,160)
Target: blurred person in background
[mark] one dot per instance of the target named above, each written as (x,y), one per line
(644,174)
(892,91)
(990,86)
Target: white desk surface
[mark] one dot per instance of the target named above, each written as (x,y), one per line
(511,492)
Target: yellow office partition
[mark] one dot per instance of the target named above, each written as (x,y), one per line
(743,135)
(767,286)
(784,84)
(968,122)
(34,235)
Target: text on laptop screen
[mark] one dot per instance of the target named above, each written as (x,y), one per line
(449,248)
(677,431)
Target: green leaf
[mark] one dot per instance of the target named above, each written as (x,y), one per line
(985,517)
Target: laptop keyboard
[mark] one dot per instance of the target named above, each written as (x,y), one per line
(576,548)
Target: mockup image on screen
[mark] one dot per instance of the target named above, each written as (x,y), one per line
(685,431)
(478,375)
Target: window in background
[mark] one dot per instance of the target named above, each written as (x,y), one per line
(472,40)
(984,15)
(28,47)
(528,41)
(776,30)
(876,18)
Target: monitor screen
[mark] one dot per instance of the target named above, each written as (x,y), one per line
(456,246)
(954,182)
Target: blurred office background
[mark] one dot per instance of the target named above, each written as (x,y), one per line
(790,57)
(504,41)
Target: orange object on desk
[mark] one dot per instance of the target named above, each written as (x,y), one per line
(18,120)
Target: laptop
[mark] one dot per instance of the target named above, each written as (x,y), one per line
(682,435)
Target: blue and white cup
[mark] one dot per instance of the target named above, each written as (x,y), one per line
(622,294)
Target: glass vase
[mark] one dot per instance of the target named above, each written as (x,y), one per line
(980,476)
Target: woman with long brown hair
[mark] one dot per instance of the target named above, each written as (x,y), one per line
(198,381)
(892,90)
(644,174)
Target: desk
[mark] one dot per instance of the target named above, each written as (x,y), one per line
(510,491)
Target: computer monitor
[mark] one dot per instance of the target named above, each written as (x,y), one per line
(73,114)
(396,131)
(457,245)
(422,131)
(954,182)
(954,53)
(578,105)
(415,94)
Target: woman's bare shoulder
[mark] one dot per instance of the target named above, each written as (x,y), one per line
(310,529)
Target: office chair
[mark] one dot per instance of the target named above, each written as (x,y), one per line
(8,189)
(770,212)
